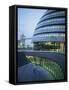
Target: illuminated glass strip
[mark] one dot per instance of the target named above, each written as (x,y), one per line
(50,29)
(52,21)
(49,34)
(51,37)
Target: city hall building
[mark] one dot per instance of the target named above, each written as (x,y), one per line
(49,33)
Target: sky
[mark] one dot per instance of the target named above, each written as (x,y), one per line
(27,21)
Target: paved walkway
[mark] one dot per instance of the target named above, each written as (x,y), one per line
(32,72)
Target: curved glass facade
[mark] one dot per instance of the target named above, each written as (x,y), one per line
(50,28)
(53,15)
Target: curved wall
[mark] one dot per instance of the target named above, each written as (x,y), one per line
(51,27)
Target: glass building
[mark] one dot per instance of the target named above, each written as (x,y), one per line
(49,33)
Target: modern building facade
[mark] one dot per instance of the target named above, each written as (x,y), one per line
(49,33)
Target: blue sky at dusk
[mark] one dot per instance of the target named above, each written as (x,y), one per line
(27,21)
